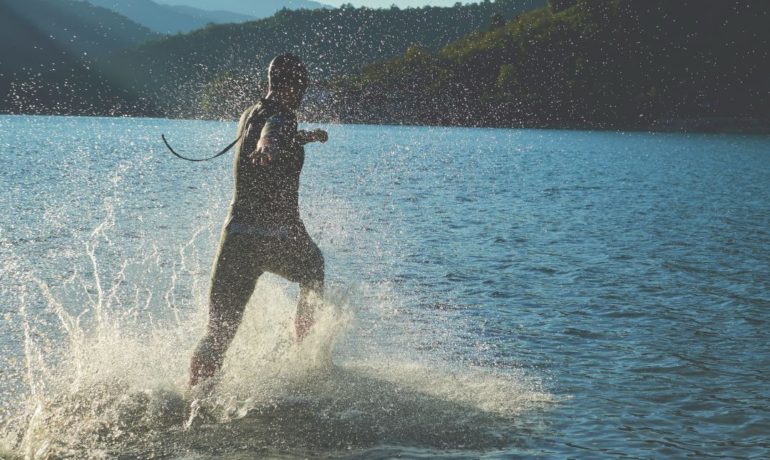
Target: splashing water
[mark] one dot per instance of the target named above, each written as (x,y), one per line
(106,346)
(117,386)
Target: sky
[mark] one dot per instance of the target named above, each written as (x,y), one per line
(369,3)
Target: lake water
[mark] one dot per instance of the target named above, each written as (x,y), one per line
(492,293)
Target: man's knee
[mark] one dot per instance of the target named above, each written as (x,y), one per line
(311,268)
(315,272)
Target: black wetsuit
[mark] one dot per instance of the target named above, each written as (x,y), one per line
(264,232)
(267,197)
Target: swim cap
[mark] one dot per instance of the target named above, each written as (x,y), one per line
(287,71)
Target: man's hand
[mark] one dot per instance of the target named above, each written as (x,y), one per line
(317,135)
(320,135)
(262,155)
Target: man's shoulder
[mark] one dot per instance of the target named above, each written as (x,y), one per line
(248,114)
(278,119)
(253,109)
(271,117)
(257,113)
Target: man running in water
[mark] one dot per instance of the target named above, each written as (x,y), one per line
(264,232)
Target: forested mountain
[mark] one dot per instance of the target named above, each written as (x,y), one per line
(257,9)
(167,19)
(573,63)
(586,63)
(216,71)
(47,50)
(55,27)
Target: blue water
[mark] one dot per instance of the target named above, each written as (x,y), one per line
(493,293)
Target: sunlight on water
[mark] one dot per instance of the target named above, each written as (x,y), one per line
(491,294)
(119,386)
(107,342)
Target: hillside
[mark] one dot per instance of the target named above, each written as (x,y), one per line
(201,74)
(47,53)
(54,27)
(166,19)
(581,63)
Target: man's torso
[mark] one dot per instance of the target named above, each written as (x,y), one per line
(266,198)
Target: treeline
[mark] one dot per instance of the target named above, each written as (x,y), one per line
(561,63)
(579,63)
(212,72)
(215,72)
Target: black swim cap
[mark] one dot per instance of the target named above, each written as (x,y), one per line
(287,71)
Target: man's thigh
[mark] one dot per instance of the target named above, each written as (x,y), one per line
(235,274)
(297,259)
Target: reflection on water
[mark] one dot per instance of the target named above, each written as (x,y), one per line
(495,293)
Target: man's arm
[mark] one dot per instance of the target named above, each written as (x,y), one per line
(277,136)
(280,134)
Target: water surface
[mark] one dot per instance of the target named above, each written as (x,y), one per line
(493,293)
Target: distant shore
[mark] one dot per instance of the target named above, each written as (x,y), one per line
(706,125)
(714,125)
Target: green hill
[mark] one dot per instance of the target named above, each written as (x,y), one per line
(575,63)
(215,71)
(47,54)
(586,63)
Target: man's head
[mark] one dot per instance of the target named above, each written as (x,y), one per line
(288,76)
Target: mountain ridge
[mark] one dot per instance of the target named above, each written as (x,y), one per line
(48,56)
(169,19)
(331,41)
(263,9)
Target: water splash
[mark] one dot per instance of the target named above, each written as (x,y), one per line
(104,376)
(108,321)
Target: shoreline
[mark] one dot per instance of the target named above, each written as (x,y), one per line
(696,125)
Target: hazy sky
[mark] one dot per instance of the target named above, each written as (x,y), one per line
(369,3)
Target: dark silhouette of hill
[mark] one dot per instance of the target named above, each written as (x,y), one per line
(58,27)
(47,54)
(216,71)
(583,63)
(169,19)
(630,64)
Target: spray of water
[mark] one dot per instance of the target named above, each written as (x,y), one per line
(101,367)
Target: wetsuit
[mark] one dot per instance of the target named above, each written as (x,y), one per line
(264,232)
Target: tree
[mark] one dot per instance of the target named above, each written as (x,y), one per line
(415,52)
(561,5)
(496,21)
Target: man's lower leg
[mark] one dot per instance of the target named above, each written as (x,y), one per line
(205,362)
(308,296)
